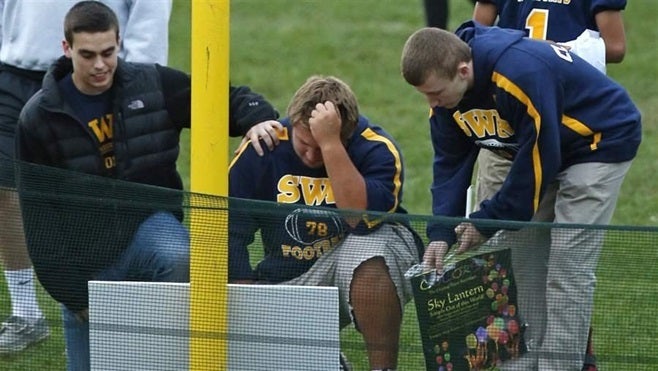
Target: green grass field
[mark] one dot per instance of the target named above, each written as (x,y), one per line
(277,44)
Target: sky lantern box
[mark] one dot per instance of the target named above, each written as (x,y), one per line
(468,316)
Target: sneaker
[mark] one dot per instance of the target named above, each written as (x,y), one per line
(344,363)
(17,334)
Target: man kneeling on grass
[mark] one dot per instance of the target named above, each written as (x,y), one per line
(331,156)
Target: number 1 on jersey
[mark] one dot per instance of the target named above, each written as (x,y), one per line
(537,23)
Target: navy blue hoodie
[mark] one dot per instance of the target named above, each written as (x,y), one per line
(533,102)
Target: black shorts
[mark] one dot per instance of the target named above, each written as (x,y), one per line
(16,87)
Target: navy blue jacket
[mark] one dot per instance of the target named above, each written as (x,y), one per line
(533,102)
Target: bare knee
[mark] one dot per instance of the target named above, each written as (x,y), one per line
(372,270)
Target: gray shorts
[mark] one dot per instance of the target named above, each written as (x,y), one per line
(395,243)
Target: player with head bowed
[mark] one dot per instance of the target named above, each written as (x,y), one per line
(332,167)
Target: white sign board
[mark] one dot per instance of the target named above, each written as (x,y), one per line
(144,326)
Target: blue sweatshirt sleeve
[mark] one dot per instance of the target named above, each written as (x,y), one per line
(379,160)
(532,103)
(242,226)
(454,158)
(381,167)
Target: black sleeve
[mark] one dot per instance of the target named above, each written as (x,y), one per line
(177,91)
(246,108)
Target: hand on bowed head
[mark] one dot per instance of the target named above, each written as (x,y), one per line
(325,123)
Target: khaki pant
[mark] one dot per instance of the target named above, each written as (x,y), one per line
(555,265)
(491,173)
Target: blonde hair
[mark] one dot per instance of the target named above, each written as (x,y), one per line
(432,50)
(319,89)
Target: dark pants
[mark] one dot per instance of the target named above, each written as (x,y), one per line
(16,87)
(436,13)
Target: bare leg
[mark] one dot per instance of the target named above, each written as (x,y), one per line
(26,324)
(13,249)
(377,312)
(17,265)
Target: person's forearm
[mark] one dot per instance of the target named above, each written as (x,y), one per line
(347,183)
(611,28)
(485,13)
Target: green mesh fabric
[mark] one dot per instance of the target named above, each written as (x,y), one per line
(74,223)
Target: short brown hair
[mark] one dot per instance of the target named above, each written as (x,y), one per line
(319,89)
(432,50)
(89,16)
